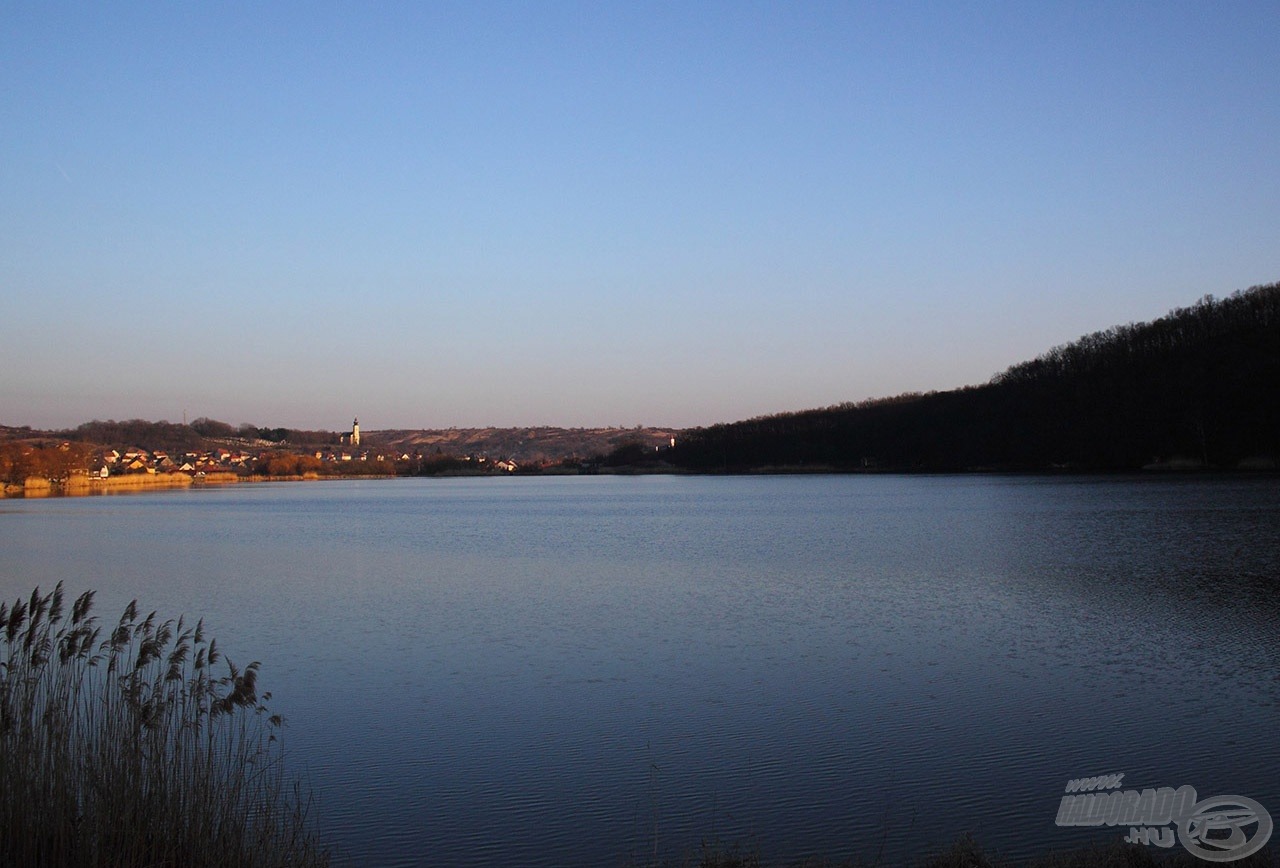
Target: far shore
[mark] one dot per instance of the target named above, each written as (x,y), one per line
(80,484)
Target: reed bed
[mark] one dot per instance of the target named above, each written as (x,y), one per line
(129,750)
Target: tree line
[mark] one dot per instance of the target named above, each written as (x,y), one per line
(181,437)
(1199,386)
(20,460)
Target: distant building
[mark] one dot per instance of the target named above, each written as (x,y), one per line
(355,431)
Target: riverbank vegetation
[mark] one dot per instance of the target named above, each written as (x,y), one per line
(127,748)
(22,460)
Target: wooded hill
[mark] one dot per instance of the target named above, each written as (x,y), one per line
(1199,387)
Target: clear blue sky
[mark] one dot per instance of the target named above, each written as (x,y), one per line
(434,214)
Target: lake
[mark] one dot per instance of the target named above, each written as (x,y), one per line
(574,671)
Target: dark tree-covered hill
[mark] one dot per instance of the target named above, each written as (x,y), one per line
(1198,387)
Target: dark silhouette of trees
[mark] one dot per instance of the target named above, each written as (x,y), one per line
(1199,386)
(156,435)
(627,454)
(207,427)
(440,464)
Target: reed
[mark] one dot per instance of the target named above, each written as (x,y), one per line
(130,749)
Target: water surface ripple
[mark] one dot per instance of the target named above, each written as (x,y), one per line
(581,671)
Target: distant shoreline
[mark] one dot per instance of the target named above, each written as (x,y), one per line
(84,486)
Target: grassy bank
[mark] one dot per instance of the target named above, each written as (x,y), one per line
(127,749)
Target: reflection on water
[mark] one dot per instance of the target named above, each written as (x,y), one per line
(565,671)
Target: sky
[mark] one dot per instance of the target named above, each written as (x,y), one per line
(437,214)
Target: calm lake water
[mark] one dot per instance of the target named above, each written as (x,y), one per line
(586,670)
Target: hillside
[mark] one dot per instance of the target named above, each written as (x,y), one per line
(1199,387)
(523,445)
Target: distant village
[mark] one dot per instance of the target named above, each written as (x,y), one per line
(102,456)
(261,460)
(222,460)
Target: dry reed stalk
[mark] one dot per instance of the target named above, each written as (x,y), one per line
(128,750)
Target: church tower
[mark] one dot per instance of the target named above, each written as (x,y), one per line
(355,432)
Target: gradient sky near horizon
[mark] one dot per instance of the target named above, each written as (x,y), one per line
(470,214)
